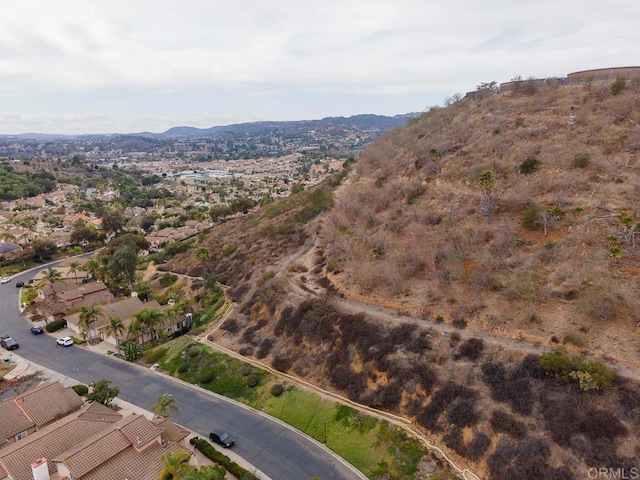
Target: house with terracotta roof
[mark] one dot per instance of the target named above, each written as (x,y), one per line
(94,443)
(33,410)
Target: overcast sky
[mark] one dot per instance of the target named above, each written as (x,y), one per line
(96,66)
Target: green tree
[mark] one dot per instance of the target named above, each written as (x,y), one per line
(73,268)
(164,404)
(44,248)
(122,265)
(203,255)
(49,277)
(148,319)
(103,393)
(486,184)
(116,328)
(112,222)
(89,316)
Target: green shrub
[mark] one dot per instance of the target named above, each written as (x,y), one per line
(519,121)
(183,368)
(167,280)
(221,459)
(131,350)
(81,390)
(530,218)
(1,378)
(529,165)
(618,85)
(253,381)
(581,161)
(277,390)
(55,325)
(589,375)
(205,377)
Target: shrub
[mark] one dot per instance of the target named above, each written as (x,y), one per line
(131,350)
(519,121)
(229,250)
(55,325)
(277,390)
(581,161)
(253,381)
(530,218)
(478,446)
(281,363)
(618,85)
(183,368)
(214,455)
(471,349)
(502,422)
(460,323)
(569,367)
(167,280)
(529,165)
(81,390)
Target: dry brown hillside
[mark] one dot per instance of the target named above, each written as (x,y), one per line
(408,228)
(433,278)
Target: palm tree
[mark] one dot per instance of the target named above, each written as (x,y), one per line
(203,255)
(116,328)
(89,316)
(50,277)
(73,268)
(148,319)
(177,465)
(164,404)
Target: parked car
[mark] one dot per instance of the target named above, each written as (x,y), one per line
(37,330)
(8,343)
(222,438)
(5,280)
(65,341)
(19,284)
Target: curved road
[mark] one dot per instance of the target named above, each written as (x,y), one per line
(277,450)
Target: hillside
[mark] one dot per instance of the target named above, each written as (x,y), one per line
(436,277)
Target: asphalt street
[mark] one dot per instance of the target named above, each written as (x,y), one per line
(280,452)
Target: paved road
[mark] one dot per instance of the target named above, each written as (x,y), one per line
(275,449)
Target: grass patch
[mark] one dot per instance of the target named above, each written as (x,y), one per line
(369,444)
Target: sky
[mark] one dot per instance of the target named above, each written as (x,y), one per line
(96,66)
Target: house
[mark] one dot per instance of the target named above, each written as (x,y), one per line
(93,443)
(125,310)
(61,239)
(10,250)
(31,411)
(85,295)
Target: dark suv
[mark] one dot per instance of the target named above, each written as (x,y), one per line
(222,438)
(9,343)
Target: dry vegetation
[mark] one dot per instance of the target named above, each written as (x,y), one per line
(549,258)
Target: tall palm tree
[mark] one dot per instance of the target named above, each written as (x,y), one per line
(203,255)
(164,404)
(148,319)
(89,316)
(50,276)
(73,268)
(116,328)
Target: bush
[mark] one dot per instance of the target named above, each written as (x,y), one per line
(253,381)
(81,390)
(214,455)
(569,367)
(155,355)
(167,280)
(530,218)
(581,161)
(471,349)
(55,325)
(618,85)
(277,390)
(502,422)
(529,165)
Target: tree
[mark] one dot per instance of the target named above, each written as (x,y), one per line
(131,349)
(203,255)
(89,316)
(486,184)
(164,404)
(44,248)
(147,320)
(84,234)
(116,328)
(50,276)
(112,222)
(103,393)
(73,268)
(122,265)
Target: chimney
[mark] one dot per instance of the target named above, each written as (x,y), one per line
(40,469)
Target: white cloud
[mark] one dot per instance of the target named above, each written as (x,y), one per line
(122,57)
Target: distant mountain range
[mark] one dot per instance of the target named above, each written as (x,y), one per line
(364,122)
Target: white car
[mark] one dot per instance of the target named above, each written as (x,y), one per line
(5,280)
(65,341)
